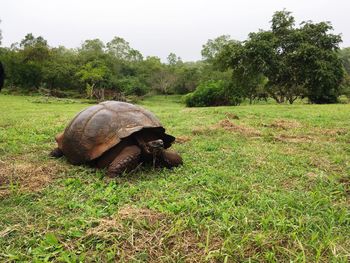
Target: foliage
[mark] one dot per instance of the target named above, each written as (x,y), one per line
(133,86)
(116,66)
(344,54)
(214,47)
(296,62)
(285,63)
(0,34)
(212,93)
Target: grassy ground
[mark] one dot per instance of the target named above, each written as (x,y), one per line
(267,183)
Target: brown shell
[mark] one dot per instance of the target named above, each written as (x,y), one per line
(100,127)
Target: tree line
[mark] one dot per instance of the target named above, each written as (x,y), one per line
(94,67)
(284,63)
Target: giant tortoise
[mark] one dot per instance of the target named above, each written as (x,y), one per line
(118,136)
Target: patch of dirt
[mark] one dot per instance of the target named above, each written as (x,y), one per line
(242,129)
(324,164)
(293,138)
(142,231)
(203,130)
(320,162)
(289,150)
(231,115)
(285,124)
(332,132)
(182,139)
(25,175)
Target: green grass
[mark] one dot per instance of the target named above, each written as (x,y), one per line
(272,186)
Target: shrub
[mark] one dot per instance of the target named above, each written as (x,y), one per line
(213,93)
(133,86)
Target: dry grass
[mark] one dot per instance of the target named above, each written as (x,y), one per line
(331,132)
(285,124)
(241,129)
(325,164)
(312,175)
(293,138)
(141,231)
(231,115)
(24,174)
(182,139)
(203,130)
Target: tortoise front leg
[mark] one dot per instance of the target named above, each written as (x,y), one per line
(126,161)
(170,159)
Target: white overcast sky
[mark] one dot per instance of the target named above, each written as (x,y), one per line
(158,27)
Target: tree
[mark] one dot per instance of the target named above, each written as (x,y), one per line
(2,72)
(294,62)
(213,47)
(2,76)
(188,75)
(121,50)
(320,67)
(59,71)
(92,74)
(0,34)
(173,59)
(27,61)
(345,57)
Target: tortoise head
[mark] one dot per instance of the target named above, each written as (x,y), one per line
(154,147)
(59,139)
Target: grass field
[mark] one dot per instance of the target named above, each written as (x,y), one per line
(261,183)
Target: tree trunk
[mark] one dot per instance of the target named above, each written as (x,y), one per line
(102,94)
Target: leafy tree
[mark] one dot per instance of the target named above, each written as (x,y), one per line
(93,74)
(164,81)
(120,49)
(173,59)
(293,62)
(0,34)
(345,57)
(27,61)
(2,75)
(213,47)
(60,70)
(320,68)
(188,76)
(2,71)
(133,86)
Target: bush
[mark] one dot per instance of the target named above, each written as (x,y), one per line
(213,93)
(133,86)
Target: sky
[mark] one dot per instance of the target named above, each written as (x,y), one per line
(158,27)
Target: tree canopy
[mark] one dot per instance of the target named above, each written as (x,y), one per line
(292,61)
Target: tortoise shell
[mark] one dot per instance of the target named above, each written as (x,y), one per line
(98,128)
